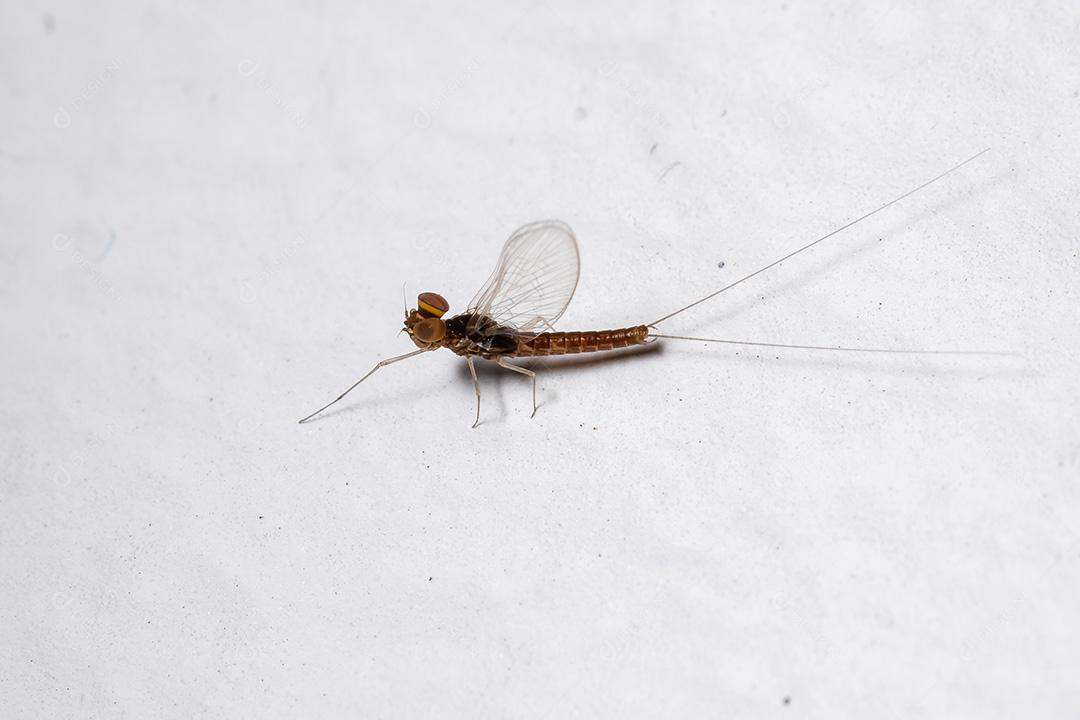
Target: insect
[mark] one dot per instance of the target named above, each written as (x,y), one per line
(513,314)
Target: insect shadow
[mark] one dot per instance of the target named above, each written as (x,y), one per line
(840,257)
(493,377)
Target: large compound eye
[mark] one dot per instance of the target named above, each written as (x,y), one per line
(429,330)
(432,305)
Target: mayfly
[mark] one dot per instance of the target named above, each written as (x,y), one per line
(513,314)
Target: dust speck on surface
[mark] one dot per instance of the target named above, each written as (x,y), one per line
(720,265)
(108,246)
(580,114)
(665,171)
(48,23)
(787,700)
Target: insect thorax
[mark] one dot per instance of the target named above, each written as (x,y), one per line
(468,335)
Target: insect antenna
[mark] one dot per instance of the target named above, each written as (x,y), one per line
(840,229)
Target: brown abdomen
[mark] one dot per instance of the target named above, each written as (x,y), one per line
(565,343)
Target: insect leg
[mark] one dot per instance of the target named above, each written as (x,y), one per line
(476,385)
(370,372)
(510,366)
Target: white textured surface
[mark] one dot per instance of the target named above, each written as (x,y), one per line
(207,217)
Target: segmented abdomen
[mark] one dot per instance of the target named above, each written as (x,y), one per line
(565,343)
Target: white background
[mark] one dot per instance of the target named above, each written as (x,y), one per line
(208,214)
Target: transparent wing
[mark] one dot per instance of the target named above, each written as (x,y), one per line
(533,282)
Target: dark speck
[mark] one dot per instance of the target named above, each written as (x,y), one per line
(721,264)
(787,700)
(665,171)
(48,23)
(579,114)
